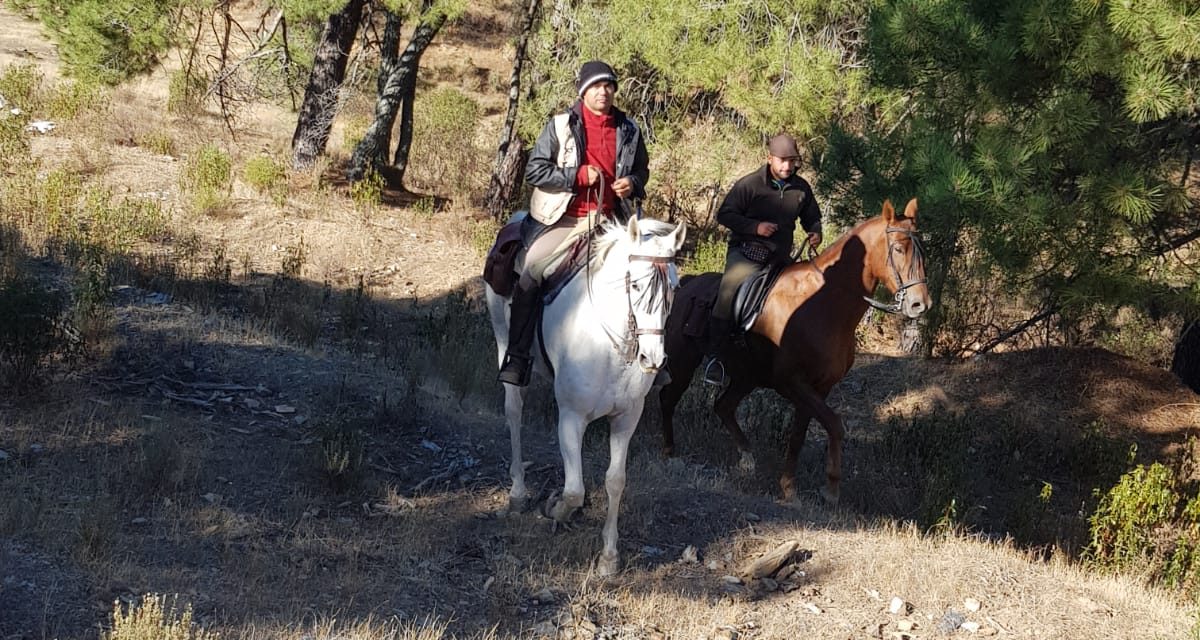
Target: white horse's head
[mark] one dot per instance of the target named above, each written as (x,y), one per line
(650,282)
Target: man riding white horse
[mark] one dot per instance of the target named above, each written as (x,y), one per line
(587,164)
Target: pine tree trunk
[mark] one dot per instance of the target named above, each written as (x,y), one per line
(324,83)
(389,60)
(400,87)
(1186,363)
(506,173)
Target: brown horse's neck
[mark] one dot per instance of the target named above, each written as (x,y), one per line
(853,262)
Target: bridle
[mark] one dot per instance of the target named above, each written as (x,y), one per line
(659,293)
(901,291)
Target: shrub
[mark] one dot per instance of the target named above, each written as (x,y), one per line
(30,328)
(159,142)
(1148,517)
(207,176)
(709,255)
(443,143)
(342,455)
(368,192)
(70,99)
(154,619)
(14,140)
(21,86)
(268,177)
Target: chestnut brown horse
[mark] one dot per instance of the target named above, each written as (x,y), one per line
(802,342)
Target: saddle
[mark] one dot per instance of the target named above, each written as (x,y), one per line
(499,268)
(747,301)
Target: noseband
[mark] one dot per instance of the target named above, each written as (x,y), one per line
(901,291)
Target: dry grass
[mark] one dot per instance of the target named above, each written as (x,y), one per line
(185,457)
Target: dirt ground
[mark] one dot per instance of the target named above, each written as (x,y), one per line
(188,461)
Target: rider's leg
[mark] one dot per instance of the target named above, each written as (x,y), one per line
(526,298)
(720,324)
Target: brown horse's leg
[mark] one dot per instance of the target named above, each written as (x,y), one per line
(787,481)
(806,399)
(681,363)
(726,409)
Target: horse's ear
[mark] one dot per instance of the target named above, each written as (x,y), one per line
(889,213)
(680,233)
(634,235)
(910,211)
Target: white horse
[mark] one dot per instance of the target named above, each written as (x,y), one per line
(602,338)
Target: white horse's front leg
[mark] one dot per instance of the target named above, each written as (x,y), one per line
(621,430)
(514,406)
(571,426)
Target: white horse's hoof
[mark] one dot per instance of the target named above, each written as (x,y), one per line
(607,566)
(746,462)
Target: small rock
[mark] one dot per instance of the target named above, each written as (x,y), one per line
(252,403)
(897,606)
(284,408)
(874,595)
(690,555)
(714,565)
(752,517)
(431,446)
(652,551)
(970,626)
(545,596)
(906,625)
(545,628)
(812,608)
(139,520)
(211,498)
(951,621)
(972,605)
(36,448)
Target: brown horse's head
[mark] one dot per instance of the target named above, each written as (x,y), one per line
(904,271)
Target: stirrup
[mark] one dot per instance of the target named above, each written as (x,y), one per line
(516,370)
(714,372)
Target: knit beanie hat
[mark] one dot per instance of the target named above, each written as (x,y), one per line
(591,73)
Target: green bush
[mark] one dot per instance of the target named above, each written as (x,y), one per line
(30,328)
(207,177)
(185,93)
(21,86)
(159,142)
(267,176)
(368,192)
(1149,517)
(444,154)
(708,256)
(70,99)
(14,141)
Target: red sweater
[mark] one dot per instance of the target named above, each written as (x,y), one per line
(600,152)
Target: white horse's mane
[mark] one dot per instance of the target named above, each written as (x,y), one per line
(611,232)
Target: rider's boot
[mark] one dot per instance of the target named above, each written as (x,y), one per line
(521,326)
(714,369)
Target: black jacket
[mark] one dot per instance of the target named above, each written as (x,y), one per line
(632,159)
(756,198)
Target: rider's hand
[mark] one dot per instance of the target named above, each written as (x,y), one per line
(765,229)
(593,175)
(814,239)
(623,187)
